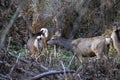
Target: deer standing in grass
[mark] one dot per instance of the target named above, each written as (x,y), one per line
(37,42)
(83,47)
(116,39)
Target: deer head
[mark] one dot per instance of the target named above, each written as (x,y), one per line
(61,42)
(44,32)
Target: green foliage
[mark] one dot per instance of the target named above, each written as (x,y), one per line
(65,57)
(112,52)
(21,52)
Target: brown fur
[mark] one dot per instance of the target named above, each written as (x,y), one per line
(31,48)
(83,47)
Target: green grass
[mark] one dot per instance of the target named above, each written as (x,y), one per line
(65,57)
(53,60)
(112,52)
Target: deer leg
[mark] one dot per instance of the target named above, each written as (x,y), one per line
(79,56)
(118,53)
(98,55)
(45,43)
(81,59)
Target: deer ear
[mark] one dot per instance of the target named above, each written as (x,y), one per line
(114,27)
(58,33)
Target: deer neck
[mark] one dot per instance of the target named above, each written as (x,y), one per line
(66,43)
(114,37)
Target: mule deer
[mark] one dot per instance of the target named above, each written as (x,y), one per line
(83,47)
(37,42)
(116,39)
(35,45)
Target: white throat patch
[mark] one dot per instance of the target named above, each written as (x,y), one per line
(107,40)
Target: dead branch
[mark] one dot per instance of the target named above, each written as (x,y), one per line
(8,46)
(64,69)
(43,67)
(25,71)
(5,32)
(4,77)
(53,72)
(21,59)
(1,62)
(71,61)
(14,64)
(5,63)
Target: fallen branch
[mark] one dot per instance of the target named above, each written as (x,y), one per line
(43,67)
(14,64)
(71,61)
(1,62)
(64,69)
(5,63)
(23,60)
(25,71)
(4,77)
(5,32)
(53,72)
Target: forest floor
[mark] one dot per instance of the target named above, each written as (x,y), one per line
(17,67)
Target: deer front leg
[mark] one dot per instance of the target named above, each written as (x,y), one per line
(98,55)
(118,53)
(79,56)
(45,43)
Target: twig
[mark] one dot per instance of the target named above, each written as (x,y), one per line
(5,32)
(9,26)
(78,70)
(14,64)
(1,62)
(117,2)
(43,67)
(8,46)
(3,77)
(63,69)
(51,73)
(23,60)
(5,63)
(71,61)
(25,71)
